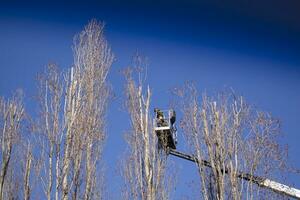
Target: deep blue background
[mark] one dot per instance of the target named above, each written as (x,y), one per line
(253,47)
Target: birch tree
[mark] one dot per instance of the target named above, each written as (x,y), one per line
(73,126)
(85,111)
(234,137)
(144,168)
(93,56)
(11,117)
(50,138)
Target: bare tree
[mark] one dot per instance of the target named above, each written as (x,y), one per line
(93,57)
(11,113)
(49,125)
(144,168)
(73,110)
(234,138)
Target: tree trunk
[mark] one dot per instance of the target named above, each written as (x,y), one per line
(50,174)
(27,176)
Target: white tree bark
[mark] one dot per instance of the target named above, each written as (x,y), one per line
(27,188)
(144,170)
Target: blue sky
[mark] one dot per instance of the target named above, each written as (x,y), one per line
(252,47)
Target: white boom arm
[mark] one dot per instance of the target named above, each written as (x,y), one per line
(280,188)
(261,182)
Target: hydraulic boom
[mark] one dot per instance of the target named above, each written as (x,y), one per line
(164,126)
(261,182)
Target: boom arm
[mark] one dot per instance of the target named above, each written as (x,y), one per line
(261,182)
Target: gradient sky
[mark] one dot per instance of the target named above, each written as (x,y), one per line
(251,46)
